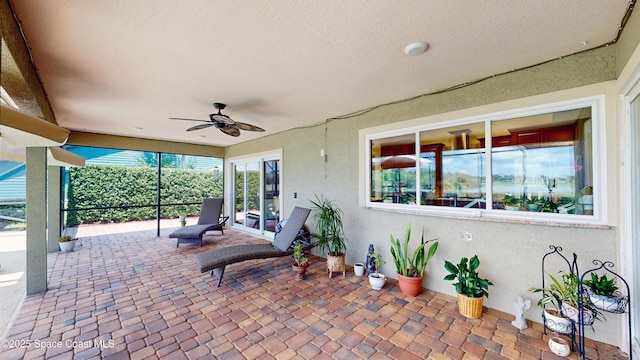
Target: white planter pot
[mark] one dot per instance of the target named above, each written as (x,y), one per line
(586,200)
(615,304)
(512,208)
(574,314)
(555,323)
(358,269)
(377,282)
(67,245)
(533,207)
(559,346)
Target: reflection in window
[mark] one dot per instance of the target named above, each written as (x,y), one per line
(393,170)
(271,194)
(454,176)
(539,163)
(544,166)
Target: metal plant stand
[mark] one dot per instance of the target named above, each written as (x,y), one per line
(576,330)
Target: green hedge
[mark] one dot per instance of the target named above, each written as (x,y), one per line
(253,188)
(104,186)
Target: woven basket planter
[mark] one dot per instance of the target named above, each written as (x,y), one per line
(336,264)
(469,306)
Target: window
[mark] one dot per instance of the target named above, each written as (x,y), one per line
(532,163)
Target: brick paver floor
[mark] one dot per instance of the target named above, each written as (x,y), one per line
(132,295)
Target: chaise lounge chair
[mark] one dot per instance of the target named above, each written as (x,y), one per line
(209,220)
(217,259)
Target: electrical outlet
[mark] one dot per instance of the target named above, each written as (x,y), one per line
(465,235)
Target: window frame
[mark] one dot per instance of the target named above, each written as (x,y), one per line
(599,217)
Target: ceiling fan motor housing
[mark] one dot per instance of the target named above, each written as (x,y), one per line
(220,118)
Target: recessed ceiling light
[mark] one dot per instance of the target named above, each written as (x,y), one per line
(138,128)
(417,48)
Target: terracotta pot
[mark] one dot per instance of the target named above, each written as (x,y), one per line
(300,271)
(336,264)
(411,286)
(469,306)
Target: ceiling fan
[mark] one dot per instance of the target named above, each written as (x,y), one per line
(222,122)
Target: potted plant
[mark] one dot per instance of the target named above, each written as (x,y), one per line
(410,268)
(330,234)
(534,205)
(376,279)
(586,200)
(512,204)
(565,294)
(471,288)
(552,316)
(604,294)
(585,314)
(300,262)
(66,243)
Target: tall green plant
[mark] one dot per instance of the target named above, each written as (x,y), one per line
(412,266)
(329,227)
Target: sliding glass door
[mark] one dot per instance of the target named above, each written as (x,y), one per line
(256,194)
(634,212)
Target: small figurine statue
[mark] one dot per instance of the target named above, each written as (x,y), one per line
(521,305)
(370,264)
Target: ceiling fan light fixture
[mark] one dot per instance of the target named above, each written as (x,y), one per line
(417,48)
(222,118)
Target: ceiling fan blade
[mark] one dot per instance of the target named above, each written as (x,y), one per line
(247,127)
(198,127)
(229,130)
(188,119)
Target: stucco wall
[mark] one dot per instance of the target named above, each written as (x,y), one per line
(510,253)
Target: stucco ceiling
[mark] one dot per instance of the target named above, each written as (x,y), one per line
(125,67)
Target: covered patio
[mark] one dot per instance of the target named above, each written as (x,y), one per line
(126,293)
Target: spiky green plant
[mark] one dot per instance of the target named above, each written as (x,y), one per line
(412,266)
(330,232)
